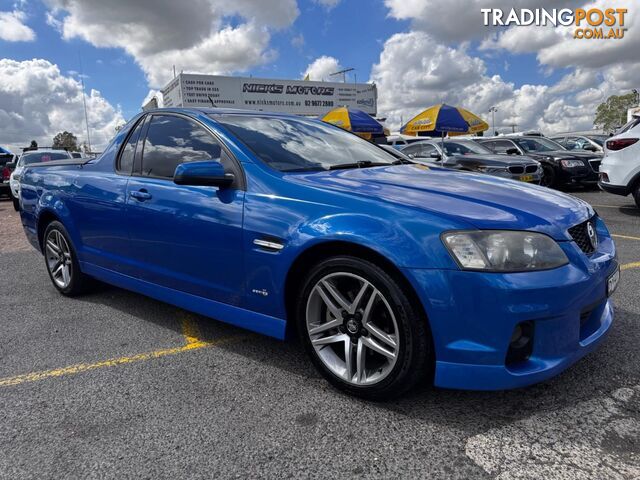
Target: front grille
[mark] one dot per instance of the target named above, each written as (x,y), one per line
(516,169)
(595,164)
(531,168)
(580,235)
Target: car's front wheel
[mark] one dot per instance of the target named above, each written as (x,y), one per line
(636,194)
(62,261)
(16,203)
(362,330)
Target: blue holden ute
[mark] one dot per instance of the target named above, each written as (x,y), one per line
(391,273)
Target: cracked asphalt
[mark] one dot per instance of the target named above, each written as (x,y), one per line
(116,385)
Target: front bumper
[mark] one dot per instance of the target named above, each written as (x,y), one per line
(473,315)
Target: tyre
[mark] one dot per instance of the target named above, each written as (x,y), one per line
(548,177)
(16,203)
(636,194)
(362,331)
(62,261)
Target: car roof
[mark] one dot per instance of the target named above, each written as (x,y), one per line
(47,150)
(211,111)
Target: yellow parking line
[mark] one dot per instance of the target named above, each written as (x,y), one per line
(628,237)
(189,331)
(627,266)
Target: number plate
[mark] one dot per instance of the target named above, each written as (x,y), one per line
(612,282)
(526,178)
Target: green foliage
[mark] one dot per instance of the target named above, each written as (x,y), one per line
(613,113)
(66,140)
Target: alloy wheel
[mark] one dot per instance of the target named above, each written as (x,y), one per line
(58,256)
(352,328)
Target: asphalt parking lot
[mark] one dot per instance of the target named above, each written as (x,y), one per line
(116,385)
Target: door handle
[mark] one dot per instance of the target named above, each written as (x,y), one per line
(141,195)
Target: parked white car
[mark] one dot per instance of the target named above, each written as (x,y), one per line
(28,157)
(620,167)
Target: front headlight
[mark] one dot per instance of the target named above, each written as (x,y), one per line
(504,250)
(571,163)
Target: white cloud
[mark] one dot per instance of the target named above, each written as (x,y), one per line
(415,71)
(13,29)
(321,68)
(194,36)
(37,101)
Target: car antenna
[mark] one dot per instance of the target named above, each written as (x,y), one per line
(211,100)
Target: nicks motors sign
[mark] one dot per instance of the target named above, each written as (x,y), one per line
(290,90)
(290,96)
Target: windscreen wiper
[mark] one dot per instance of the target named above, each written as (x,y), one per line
(360,164)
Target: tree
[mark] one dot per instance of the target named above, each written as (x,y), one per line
(66,140)
(613,113)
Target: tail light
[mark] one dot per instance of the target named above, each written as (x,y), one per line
(6,173)
(620,143)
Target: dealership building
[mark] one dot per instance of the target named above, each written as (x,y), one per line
(300,97)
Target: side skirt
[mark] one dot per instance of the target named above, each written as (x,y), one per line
(257,322)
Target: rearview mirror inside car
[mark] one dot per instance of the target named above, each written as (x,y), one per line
(207,173)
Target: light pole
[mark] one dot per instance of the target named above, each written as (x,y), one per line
(493,111)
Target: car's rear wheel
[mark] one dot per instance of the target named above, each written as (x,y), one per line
(548,177)
(62,261)
(361,329)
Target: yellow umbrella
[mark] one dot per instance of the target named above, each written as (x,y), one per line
(443,119)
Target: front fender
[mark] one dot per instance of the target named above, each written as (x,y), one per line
(406,241)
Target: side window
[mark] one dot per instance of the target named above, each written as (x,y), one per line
(501,146)
(411,149)
(427,150)
(125,161)
(172,140)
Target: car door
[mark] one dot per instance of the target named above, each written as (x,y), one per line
(98,207)
(187,238)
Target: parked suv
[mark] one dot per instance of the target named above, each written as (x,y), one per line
(620,168)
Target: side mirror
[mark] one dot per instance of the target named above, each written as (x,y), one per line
(411,155)
(590,148)
(10,165)
(206,174)
(435,155)
(512,151)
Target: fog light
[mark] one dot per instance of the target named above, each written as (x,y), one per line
(604,177)
(521,343)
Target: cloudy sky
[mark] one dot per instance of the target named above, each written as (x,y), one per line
(418,52)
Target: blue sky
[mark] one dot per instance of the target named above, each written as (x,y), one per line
(348,32)
(419,52)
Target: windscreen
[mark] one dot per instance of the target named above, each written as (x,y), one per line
(38,157)
(538,144)
(465,148)
(599,139)
(298,144)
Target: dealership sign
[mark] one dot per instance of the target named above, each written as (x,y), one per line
(290,96)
